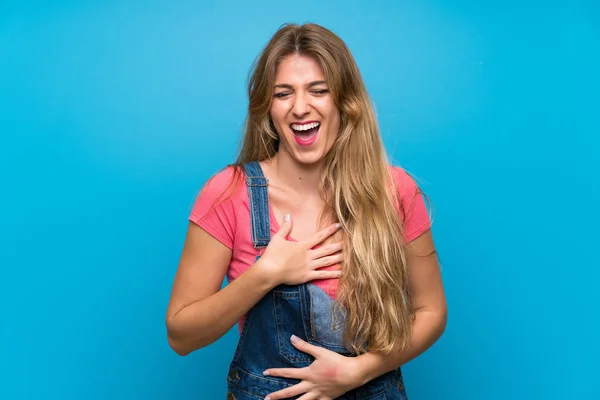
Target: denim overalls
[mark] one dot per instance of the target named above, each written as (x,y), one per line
(301,310)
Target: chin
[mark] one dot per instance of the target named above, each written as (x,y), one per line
(310,158)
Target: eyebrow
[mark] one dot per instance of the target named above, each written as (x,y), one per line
(310,84)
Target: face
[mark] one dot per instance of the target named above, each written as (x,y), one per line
(303,110)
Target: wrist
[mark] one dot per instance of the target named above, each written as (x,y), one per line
(367,367)
(265,273)
(359,374)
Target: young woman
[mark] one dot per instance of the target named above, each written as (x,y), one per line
(333,277)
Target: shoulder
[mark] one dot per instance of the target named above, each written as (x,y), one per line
(411,204)
(222,189)
(216,205)
(224,177)
(405,184)
(224,182)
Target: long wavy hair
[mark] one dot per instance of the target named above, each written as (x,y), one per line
(356,186)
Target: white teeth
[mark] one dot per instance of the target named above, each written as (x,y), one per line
(298,127)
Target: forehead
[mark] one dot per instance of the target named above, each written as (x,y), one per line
(298,69)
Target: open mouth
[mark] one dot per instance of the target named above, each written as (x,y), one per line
(306,134)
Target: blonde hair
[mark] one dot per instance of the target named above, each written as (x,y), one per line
(356,186)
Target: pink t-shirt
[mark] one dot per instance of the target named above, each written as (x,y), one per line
(224,212)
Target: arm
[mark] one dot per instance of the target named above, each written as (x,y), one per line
(199,312)
(332,374)
(430,312)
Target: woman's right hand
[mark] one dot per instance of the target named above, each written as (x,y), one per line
(294,263)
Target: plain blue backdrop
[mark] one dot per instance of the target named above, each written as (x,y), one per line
(113,114)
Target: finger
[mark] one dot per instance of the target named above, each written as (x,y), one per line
(317,275)
(292,391)
(326,250)
(292,373)
(323,234)
(286,227)
(309,396)
(327,261)
(305,347)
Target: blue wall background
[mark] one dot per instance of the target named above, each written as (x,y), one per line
(114,113)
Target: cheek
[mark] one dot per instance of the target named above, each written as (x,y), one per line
(275,120)
(277,115)
(280,126)
(332,113)
(334,122)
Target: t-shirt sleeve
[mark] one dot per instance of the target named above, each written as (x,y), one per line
(414,213)
(214,207)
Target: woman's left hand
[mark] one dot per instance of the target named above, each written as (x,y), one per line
(329,376)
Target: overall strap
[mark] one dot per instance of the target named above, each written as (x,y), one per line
(259,204)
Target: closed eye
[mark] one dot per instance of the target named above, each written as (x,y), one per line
(317,92)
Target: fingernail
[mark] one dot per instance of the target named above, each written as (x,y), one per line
(267,398)
(338,226)
(294,339)
(266,373)
(287,217)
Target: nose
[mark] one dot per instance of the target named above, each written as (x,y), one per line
(300,106)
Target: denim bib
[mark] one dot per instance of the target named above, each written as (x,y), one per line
(303,310)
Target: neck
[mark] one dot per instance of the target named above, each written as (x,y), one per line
(299,177)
